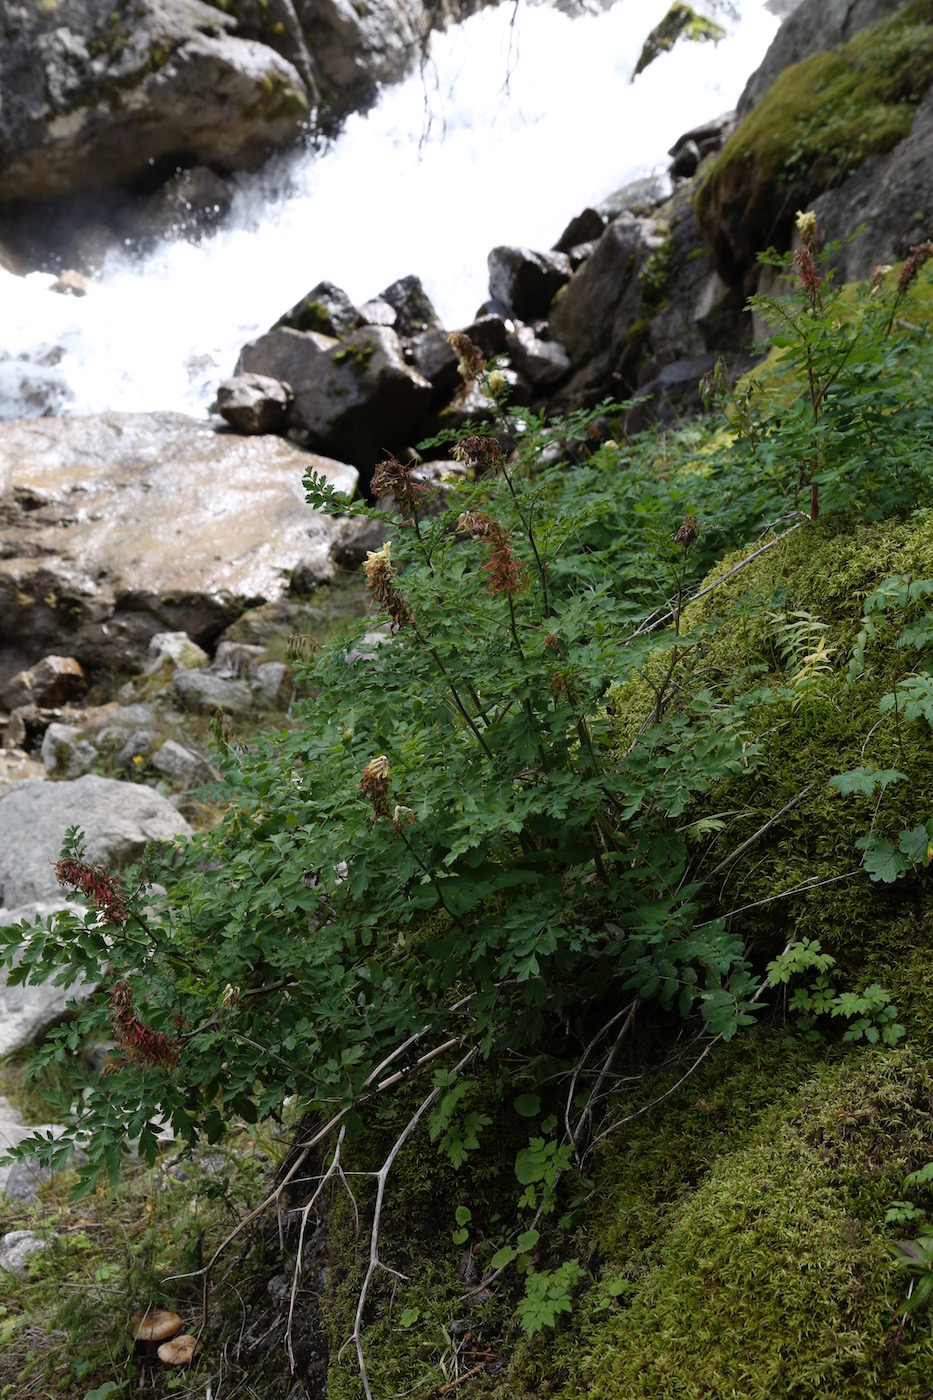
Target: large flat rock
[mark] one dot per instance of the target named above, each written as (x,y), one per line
(118,526)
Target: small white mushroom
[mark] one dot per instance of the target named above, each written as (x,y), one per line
(179,1351)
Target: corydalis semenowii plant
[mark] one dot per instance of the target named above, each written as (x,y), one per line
(439,847)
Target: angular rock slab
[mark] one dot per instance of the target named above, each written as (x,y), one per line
(145,523)
(357,397)
(118,820)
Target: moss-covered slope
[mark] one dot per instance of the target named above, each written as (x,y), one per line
(816,125)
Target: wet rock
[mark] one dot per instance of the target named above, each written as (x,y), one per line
(190,202)
(542,362)
(435,359)
(72,284)
(118,821)
(378,313)
(709,137)
(412,306)
(151,523)
(584,228)
(102,93)
(356,399)
(253,403)
(55,680)
(686,159)
(205,692)
(326,309)
(639,197)
(66,753)
(524,281)
(489,334)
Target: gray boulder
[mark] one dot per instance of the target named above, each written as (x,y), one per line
(253,403)
(882,195)
(16,1246)
(206,692)
(525,282)
(356,399)
(326,309)
(182,765)
(435,359)
(26,1012)
(542,362)
(583,228)
(413,309)
(118,820)
(583,317)
(812,27)
(66,753)
(96,91)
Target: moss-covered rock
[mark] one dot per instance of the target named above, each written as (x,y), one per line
(815,126)
(680,22)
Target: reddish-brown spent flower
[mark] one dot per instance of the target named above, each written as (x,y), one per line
(375,783)
(806,266)
(505,571)
(471,362)
(380,580)
(393,478)
(144,1044)
(918,255)
(687,532)
(102,890)
(482,453)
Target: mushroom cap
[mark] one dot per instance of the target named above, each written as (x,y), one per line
(179,1351)
(155,1325)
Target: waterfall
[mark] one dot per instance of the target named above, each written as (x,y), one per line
(520,118)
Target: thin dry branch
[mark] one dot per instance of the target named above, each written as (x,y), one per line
(382,1176)
(334,1169)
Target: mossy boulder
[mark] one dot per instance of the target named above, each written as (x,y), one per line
(680,22)
(819,122)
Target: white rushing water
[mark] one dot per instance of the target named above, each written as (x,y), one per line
(436,174)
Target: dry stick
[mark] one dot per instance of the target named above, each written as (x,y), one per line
(375,1263)
(306,1147)
(331,1170)
(578,1068)
(620,1122)
(740,850)
(647,628)
(472,1372)
(607,1065)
